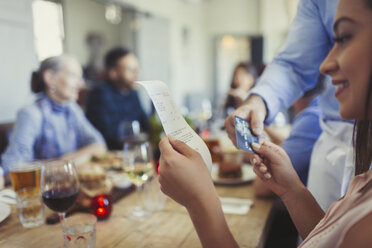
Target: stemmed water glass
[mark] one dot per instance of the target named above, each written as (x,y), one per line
(59,186)
(128,130)
(138,165)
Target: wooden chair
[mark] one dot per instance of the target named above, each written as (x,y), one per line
(5,129)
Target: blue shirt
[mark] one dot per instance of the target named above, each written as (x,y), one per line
(107,108)
(304,133)
(296,68)
(31,136)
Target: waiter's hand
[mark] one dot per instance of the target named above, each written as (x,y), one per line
(254,110)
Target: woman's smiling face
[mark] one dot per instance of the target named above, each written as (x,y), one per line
(349,62)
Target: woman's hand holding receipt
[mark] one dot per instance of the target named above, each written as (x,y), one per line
(173,122)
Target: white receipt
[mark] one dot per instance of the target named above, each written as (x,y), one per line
(171,119)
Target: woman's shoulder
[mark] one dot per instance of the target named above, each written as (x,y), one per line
(361,181)
(32,112)
(75,107)
(359,234)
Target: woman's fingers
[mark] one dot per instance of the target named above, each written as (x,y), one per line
(181,147)
(256,159)
(167,154)
(261,171)
(165,147)
(262,168)
(267,175)
(259,164)
(268,150)
(169,145)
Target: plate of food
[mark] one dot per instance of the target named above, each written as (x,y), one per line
(109,161)
(234,175)
(4,211)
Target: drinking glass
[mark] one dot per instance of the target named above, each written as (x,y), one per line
(26,183)
(138,165)
(59,186)
(79,231)
(154,199)
(128,130)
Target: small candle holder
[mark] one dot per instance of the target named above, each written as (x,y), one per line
(101,206)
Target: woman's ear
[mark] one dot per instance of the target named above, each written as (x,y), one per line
(49,78)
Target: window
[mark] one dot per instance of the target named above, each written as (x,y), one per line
(48,28)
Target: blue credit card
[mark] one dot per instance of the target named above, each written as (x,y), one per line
(244,136)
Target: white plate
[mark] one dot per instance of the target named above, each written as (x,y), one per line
(8,196)
(4,211)
(247,176)
(121,180)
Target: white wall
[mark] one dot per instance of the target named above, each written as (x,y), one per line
(82,17)
(17,55)
(275,18)
(231,17)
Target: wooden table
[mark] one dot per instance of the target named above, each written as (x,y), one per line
(170,227)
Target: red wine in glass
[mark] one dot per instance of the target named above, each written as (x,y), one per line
(59,185)
(60,200)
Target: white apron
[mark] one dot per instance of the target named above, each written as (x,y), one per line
(332,163)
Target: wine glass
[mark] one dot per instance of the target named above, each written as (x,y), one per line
(59,186)
(128,130)
(138,165)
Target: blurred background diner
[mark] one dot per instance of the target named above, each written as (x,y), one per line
(112,106)
(193,46)
(210,53)
(54,126)
(243,79)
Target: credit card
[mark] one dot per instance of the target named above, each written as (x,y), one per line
(244,136)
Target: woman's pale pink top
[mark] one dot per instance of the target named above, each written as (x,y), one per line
(342,215)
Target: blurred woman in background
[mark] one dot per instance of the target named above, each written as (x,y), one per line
(53,126)
(244,78)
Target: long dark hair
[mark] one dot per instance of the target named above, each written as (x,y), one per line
(249,68)
(362,134)
(37,80)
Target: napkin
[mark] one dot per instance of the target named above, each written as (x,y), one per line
(235,205)
(8,196)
